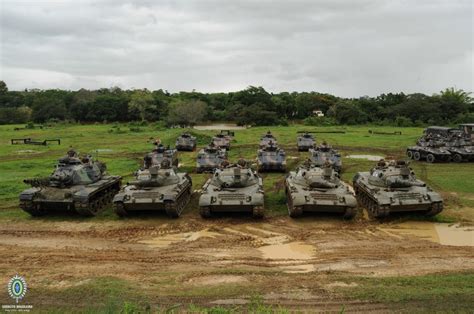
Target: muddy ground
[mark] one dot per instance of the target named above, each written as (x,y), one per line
(295,263)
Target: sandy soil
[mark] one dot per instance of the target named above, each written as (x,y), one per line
(286,260)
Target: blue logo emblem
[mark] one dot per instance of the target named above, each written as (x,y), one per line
(17,288)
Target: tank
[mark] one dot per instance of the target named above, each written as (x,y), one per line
(210,158)
(316,189)
(468,131)
(76,185)
(185,142)
(393,187)
(266,139)
(235,188)
(323,154)
(271,158)
(460,149)
(221,141)
(155,188)
(429,149)
(161,153)
(305,142)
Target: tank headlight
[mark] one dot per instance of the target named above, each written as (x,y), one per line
(249,198)
(162,196)
(306,198)
(426,197)
(126,197)
(342,199)
(213,199)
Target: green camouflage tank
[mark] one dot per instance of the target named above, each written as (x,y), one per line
(161,153)
(185,142)
(76,185)
(316,189)
(266,139)
(393,187)
(236,188)
(210,158)
(155,188)
(271,158)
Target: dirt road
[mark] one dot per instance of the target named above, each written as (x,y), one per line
(290,262)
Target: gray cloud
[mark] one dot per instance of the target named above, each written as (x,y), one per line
(348,48)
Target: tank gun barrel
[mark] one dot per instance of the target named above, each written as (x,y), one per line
(37,182)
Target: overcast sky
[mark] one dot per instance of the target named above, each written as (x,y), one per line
(347,48)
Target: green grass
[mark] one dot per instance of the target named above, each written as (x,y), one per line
(430,293)
(124,150)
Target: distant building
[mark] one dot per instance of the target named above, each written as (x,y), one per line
(318,113)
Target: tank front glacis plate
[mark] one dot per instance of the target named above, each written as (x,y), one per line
(245,197)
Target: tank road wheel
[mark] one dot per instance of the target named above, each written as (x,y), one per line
(257,212)
(120,210)
(88,209)
(205,211)
(457,158)
(417,156)
(436,208)
(350,212)
(32,209)
(430,158)
(410,154)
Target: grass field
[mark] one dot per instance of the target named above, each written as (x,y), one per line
(109,263)
(122,147)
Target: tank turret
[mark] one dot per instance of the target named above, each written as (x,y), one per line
(393,187)
(79,185)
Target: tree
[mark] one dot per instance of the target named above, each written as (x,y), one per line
(142,102)
(186,113)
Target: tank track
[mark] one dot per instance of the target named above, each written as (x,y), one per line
(436,208)
(258,212)
(292,210)
(375,210)
(174,209)
(98,201)
(350,212)
(33,209)
(205,211)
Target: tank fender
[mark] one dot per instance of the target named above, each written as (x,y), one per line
(298,199)
(350,201)
(81,196)
(169,197)
(120,197)
(205,200)
(257,198)
(29,194)
(435,197)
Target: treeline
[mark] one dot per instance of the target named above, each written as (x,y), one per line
(252,106)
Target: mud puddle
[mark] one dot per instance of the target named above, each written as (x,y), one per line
(368,157)
(167,240)
(443,234)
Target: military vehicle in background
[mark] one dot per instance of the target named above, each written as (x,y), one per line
(468,132)
(460,149)
(221,141)
(160,153)
(271,158)
(323,154)
(318,189)
(431,149)
(235,188)
(266,139)
(228,133)
(155,188)
(76,185)
(393,187)
(305,142)
(210,158)
(185,142)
